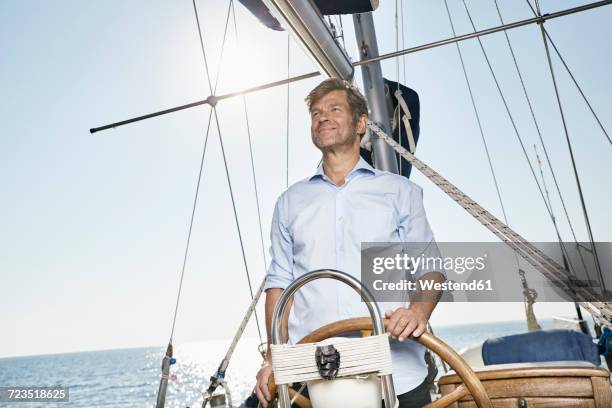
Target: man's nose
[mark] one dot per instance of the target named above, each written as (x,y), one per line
(323,117)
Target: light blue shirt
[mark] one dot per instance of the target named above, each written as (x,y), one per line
(319,225)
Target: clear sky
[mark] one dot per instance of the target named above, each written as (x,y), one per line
(93,227)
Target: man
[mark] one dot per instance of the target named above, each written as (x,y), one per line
(320,222)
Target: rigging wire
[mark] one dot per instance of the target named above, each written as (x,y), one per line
(477,115)
(549,210)
(571,152)
(403,39)
(552,171)
(572,77)
(528,293)
(214,111)
(545,17)
(535,122)
(397,73)
(287,118)
(195,202)
(342,31)
(252,160)
(196,195)
(213,99)
(248,127)
(512,121)
(535,150)
(229,182)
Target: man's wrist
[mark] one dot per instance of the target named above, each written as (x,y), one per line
(422,308)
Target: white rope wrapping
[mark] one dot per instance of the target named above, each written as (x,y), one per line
(402,105)
(297,363)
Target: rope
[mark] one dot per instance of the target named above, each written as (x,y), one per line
(571,152)
(298,392)
(297,363)
(602,312)
(530,296)
(228,355)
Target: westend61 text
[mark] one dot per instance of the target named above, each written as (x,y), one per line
(475,285)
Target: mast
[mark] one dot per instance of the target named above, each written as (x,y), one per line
(374,88)
(305,21)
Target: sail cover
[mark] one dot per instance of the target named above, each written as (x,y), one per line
(326,7)
(259,10)
(410,113)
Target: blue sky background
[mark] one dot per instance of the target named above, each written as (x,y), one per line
(94,226)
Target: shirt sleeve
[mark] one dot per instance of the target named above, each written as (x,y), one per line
(280,272)
(416,234)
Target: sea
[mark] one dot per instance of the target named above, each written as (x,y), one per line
(130,377)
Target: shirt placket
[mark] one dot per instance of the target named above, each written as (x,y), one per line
(339,238)
(341,254)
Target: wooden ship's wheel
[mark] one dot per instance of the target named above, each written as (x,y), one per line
(561,384)
(471,385)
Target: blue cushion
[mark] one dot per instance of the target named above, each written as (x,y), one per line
(537,346)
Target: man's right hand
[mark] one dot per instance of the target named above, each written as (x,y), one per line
(263,394)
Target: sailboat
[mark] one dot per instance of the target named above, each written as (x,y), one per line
(391,145)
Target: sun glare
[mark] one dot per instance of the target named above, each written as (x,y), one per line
(245,67)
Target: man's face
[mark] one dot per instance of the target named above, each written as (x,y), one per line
(331,121)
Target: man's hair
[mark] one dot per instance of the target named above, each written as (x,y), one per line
(356,101)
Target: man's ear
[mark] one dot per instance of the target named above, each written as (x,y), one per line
(362,124)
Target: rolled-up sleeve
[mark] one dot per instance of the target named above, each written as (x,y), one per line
(280,272)
(416,233)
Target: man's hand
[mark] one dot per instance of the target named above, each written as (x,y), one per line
(404,322)
(263,376)
(261,389)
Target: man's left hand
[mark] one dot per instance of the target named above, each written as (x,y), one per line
(404,322)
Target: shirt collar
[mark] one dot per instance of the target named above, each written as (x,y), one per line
(361,166)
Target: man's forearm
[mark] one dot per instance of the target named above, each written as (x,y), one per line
(272,296)
(425,301)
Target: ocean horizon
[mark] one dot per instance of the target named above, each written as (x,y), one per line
(129,377)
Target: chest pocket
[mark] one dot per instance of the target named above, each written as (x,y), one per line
(312,225)
(377,224)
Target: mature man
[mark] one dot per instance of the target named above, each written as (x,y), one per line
(320,222)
